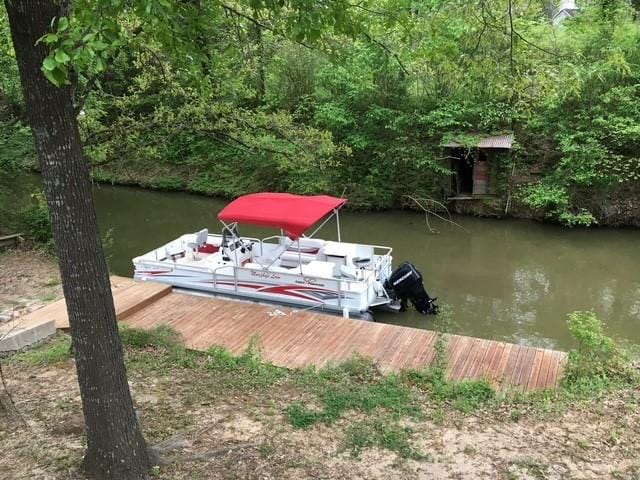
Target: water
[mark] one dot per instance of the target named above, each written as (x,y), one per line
(508,280)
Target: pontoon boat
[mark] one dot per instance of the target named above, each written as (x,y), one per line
(292,267)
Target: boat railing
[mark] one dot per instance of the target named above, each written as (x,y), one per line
(264,240)
(383,259)
(343,285)
(380,262)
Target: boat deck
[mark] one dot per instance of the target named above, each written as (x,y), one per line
(296,338)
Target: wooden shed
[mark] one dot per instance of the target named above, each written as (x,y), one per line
(471,161)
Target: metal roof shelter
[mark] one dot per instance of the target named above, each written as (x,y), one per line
(471,159)
(567,9)
(483,141)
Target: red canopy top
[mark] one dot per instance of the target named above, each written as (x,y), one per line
(295,214)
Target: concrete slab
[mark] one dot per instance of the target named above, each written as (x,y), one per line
(16,335)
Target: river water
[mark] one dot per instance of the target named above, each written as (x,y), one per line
(510,280)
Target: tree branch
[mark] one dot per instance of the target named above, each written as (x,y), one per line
(388,51)
(260,24)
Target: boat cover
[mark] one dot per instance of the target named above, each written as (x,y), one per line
(295,214)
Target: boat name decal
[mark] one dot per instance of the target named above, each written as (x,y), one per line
(310,281)
(264,274)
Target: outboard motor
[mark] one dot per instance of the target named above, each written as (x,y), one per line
(405,283)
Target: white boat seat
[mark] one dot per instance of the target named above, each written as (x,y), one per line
(318,269)
(173,252)
(306,245)
(273,268)
(199,241)
(349,272)
(253,266)
(293,259)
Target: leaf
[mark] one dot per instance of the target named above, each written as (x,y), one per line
(55,76)
(98,45)
(49,64)
(62,57)
(63,24)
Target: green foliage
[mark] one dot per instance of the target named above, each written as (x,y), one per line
(17,150)
(54,350)
(598,362)
(161,337)
(383,433)
(466,395)
(553,199)
(36,221)
(10,90)
(352,385)
(159,348)
(334,97)
(583,218)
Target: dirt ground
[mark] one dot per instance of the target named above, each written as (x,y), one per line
(28,280)
(247,437)
(205,431)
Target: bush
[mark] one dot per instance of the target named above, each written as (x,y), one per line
(598,362)
(36,220)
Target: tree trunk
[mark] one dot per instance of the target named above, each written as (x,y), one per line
(255,32)
(115,445)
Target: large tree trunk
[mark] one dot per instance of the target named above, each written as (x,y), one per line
(115,446)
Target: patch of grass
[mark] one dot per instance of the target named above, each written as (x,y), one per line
(158,349)
(353,385)
(50,297)
(301,416)
(469,450)
(159,337)
(383,433)
(266,450)
(246,370)
(532,466)
(68,463)
(57,349)
(163,421)
(466,395)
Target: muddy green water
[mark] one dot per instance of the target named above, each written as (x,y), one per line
(506,280)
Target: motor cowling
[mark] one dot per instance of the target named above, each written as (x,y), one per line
(405,283)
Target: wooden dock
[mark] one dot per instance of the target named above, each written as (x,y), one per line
(295,338)
(129,296)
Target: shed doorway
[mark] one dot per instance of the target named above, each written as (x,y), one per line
(462,180)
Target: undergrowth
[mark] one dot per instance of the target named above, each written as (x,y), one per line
(599,362)
(380,432)
(355,384)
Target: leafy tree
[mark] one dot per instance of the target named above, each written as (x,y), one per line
(61,54)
